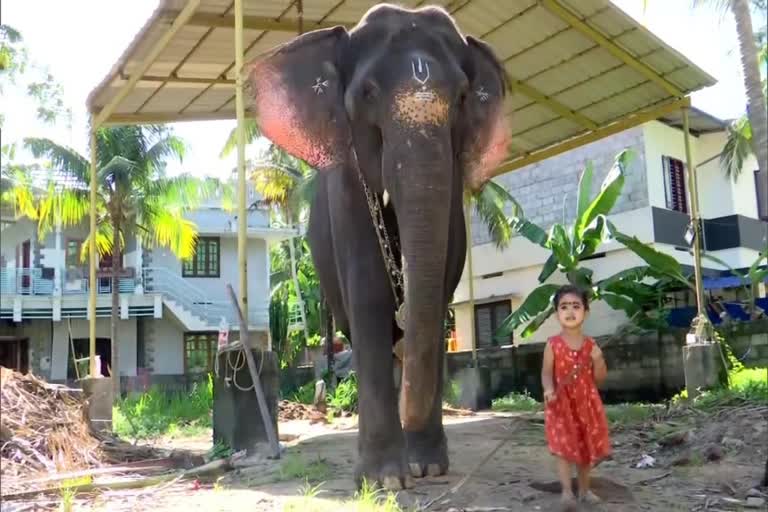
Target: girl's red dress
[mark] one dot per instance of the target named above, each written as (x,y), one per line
(575,421)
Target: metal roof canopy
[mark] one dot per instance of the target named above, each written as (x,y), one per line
(580,70)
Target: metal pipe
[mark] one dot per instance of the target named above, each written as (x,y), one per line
(92,259)
(695,219)
(242,224)
(471,282)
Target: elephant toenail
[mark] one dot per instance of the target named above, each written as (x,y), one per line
(416,470)
(434,470)
(392,483)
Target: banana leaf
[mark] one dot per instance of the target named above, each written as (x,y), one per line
(534,305)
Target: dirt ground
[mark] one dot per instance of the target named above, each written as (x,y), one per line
(702,462)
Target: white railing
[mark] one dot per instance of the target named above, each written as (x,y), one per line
(197,301)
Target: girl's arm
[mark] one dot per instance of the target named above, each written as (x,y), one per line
(598,365)
(546,373)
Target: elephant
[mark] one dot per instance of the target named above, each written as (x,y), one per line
(398,115)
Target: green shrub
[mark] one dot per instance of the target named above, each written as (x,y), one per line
(159,412)
(305,394)
(516,402)
(344,397)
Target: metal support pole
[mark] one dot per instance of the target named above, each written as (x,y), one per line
(92,260)
(702,320)
(471,283)
(242,225)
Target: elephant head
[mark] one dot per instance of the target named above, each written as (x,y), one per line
(421,107)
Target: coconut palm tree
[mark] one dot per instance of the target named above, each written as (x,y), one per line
(134,197)
(750,63)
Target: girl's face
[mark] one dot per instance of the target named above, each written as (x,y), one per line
(571,312)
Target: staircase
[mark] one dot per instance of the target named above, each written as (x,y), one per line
(193,306)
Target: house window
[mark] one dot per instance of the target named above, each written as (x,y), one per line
(674,184)
(761,193)
(488,318)
(199,351)
(205,260)
(72,253)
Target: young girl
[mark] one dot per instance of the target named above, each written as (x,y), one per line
(576,424)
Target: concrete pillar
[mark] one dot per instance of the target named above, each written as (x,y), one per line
(58,263)
(475,385)
(236,417)
(98,392)
(703,367)
(139,290)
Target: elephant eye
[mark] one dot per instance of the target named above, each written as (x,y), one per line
(370,90)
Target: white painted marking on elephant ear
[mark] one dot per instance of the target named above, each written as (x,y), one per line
(424,95)
(482,94)
(386,197)
(320,85)
(422,75)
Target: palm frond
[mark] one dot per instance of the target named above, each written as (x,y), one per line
(738,147)
(490,203)
(104,240)
(170,229)
(252,132)
(61,157)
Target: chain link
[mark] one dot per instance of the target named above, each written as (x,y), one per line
(394,272)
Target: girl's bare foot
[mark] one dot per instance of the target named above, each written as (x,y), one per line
(590,497)
(568,502)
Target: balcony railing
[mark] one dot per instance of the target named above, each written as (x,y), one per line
(42,282)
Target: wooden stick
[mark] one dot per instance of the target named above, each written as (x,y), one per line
(652,479)
(260,398)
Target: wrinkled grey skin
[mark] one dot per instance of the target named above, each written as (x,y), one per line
(335,98)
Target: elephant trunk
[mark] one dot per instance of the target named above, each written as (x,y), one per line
(423,219)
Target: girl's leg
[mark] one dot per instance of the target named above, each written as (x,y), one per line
(584,493)
(564,472)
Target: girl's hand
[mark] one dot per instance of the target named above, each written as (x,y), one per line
(549,395)
(596,354)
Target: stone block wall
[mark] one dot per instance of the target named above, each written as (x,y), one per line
(640,368)
(548,190)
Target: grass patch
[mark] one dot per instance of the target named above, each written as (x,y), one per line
(747,385)
(516,402)
(159,413)
(294,467)
(367,499)
(629,413)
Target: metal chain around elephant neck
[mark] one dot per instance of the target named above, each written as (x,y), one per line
(394,273)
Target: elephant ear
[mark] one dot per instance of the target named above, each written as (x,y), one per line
(487,132)
(297,96)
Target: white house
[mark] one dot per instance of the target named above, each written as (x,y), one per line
(170,311)
(654,207)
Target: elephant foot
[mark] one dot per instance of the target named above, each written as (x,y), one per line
(382,472)
(427,453)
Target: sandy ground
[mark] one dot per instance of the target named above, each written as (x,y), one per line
(515,479)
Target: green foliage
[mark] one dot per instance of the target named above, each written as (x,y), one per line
(305,394)
(294,467)
(16,68)
(344,397)
(157,413)
(452,392)
(626,291)
(516,402)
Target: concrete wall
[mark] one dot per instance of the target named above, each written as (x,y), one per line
(718,195)
(548,190)
(643,368)
(215,288)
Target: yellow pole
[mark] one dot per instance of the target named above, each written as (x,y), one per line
(471,283)
(92,260)
(696,221)
(242,225)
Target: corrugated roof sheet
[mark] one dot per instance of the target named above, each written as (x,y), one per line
(575,65)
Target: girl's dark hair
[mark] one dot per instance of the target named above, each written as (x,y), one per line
(574,290)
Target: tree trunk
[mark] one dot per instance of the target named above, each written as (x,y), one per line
(756,105)
(296,285)
(114,317)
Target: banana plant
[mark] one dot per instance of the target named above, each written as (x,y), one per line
(628,290)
